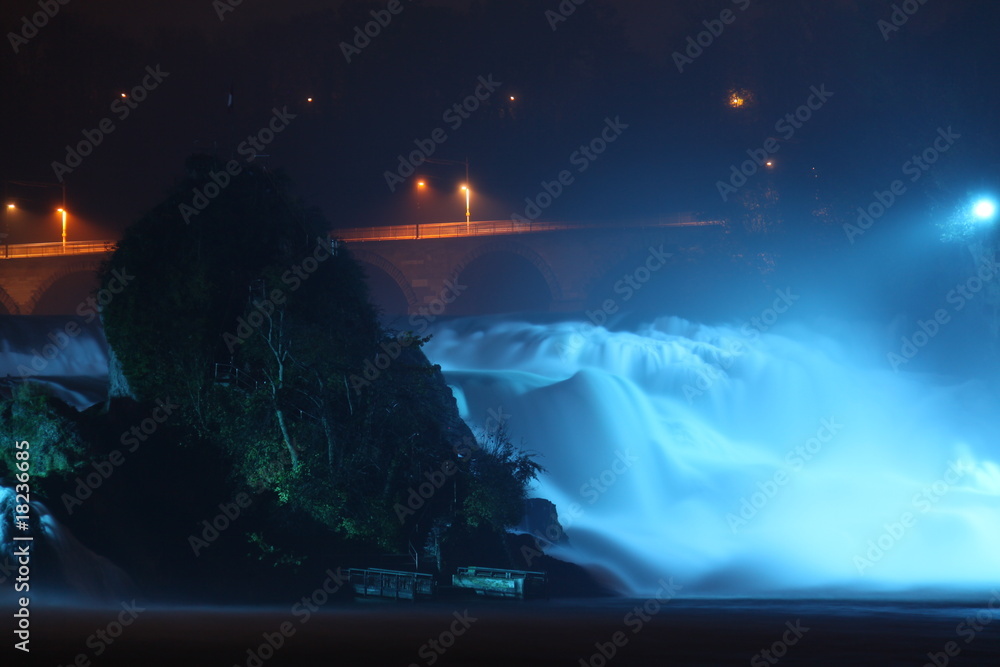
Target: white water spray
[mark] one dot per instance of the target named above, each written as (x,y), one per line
(75,569)
(742,465)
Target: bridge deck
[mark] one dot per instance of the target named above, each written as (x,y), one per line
(432,230)
(442,230)
(22,250)
(567,256)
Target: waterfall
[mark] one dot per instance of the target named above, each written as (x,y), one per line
(67,355)
(59,563)
(742,462)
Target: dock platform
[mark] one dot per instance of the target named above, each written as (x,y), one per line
(392,584)
(493,582)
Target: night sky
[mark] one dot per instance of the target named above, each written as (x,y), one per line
(892,89)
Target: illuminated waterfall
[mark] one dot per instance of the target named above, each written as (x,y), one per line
(59,563)
(739,463)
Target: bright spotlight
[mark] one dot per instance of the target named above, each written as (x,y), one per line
(984,209)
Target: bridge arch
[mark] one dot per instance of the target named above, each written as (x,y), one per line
(84,267)
(379,262)
(521,250)
(8,304)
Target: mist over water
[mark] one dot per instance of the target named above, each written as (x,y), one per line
(787,463)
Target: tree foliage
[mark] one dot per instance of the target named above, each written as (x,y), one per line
(499,474)
(49,426)
(245,315)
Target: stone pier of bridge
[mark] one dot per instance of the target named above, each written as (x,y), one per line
(28,275)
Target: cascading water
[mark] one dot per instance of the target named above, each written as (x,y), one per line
(740,463)
(59,562)
(67,356)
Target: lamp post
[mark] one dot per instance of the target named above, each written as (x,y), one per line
(6,228)
(63,211)
(466,187)
(468,214)
(42,185)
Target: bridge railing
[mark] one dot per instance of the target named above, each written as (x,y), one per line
(439,230)
(21,250)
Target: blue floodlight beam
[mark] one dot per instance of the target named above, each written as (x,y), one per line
(984,210)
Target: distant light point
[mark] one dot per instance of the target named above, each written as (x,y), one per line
(739,98)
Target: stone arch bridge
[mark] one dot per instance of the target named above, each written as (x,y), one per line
(49,278)
(571,264)
(560,267)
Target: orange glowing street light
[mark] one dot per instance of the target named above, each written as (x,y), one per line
(63,211)
(468,213)
(14,200)
(420,189)
(6,229)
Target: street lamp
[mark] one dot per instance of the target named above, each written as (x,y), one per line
(6,228)
(468,214)
(42,185)
(63,211)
